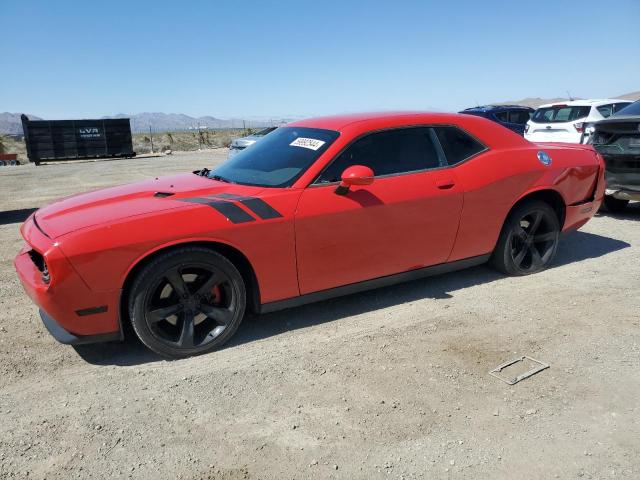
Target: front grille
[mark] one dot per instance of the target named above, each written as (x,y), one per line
(38,261)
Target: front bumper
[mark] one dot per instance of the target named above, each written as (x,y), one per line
(81,314)
(63,336)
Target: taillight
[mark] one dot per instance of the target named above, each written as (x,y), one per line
(579,127)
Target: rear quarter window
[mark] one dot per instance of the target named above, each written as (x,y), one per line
(606,110)
(457,144)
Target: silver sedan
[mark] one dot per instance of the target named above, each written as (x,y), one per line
(239,144)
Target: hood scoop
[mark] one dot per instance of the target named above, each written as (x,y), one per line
(163,194)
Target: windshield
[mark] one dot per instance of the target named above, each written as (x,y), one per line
(633,109)
(560,113)
(278,159)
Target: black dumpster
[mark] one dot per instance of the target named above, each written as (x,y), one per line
(50,140)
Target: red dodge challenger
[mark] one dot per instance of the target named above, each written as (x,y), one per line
(319,208)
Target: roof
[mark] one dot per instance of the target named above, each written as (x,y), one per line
(489,108)
(340,122)
(587,103)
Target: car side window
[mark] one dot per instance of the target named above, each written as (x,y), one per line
(457,144)
(606,110)
(389,152)
(502,116)
(519,116)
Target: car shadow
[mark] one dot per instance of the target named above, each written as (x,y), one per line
(574,247)
(127,353)
(15,216)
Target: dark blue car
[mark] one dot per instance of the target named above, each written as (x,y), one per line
(514,117)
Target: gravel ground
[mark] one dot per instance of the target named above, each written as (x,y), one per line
(391,383)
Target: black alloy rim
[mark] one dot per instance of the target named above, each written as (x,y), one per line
(533,240)
(190,306)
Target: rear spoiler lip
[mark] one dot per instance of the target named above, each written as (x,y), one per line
(572,146)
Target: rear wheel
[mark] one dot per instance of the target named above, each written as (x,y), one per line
(186,302)
(528,241)
(614,205)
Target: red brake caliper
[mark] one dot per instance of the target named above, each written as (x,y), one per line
(216,294)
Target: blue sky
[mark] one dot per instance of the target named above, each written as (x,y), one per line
(63,59)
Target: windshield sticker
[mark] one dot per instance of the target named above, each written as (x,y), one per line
(310,143)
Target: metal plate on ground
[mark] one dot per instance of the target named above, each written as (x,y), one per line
(538,367)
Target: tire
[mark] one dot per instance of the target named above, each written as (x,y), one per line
(186,302)
(614,205)
(528,241)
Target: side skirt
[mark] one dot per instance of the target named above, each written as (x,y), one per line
(375,283)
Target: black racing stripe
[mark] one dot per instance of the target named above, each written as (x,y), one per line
(256,205)
(233,212)
(91,311)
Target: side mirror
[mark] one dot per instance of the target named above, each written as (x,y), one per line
(354,175)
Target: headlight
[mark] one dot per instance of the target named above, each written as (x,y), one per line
(38,261)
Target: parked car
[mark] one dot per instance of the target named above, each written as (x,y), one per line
(319,208)
(565,122)
(239,144)
(618,141)
(10,159)
(606,112)
(514,117)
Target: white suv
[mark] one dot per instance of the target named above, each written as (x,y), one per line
(566,122)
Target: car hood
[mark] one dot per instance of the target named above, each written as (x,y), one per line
(117,203)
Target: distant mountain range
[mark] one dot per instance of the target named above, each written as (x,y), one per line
(10,123)
(162,122)
(535,102)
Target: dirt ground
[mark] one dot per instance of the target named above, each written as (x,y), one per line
(391,383)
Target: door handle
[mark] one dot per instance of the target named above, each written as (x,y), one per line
(445,184)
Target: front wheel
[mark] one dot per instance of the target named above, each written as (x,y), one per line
(528,241)
(187,301)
